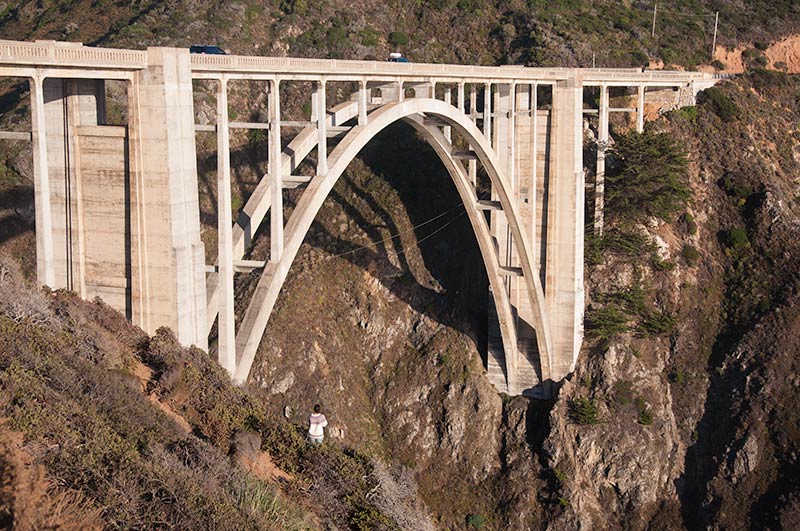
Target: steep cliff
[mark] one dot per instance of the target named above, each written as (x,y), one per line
(699,427)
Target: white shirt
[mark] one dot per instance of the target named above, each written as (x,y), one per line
(316,422)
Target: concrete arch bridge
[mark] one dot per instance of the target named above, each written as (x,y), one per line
(117,211)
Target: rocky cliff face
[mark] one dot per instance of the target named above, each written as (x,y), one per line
(718,447)
(693,414)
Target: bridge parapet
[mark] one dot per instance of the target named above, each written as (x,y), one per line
(74,55)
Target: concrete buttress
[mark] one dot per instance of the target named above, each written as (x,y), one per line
(564,296)
(168,268)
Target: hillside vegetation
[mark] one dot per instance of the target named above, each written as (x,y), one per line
(682,412)
(533,32)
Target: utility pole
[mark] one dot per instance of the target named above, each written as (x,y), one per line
(714,42)
(655,10)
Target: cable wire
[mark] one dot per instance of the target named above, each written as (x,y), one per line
(397,235)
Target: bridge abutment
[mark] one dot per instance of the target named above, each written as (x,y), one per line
(117,205)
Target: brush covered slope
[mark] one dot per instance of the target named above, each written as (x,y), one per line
(532,32)
(107,428)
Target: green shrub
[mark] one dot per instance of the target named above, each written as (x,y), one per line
(369,37)
(476,521)
(654,324)
(294,7)
(606,322)
(662,265)
(645,415)
(718,65)
(647,177)
(592,246)
(687,113)
(623,392)
(631,299)
(678,376)
(583,411)
(467,6)
(736,240)
(628,241)
(336,37)
(762,78)
(737,187)
(398,38)
(719,103)
(365,516)
(690,254)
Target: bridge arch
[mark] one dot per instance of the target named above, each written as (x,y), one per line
(413,112)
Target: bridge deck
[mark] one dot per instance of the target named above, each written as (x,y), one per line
(60,55)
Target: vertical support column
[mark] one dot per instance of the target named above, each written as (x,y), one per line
(564,295)
(640,111)
(322,129)
(448,98)
(226,346)
(276,190)
(534,173)
(472,165)
(401,95)
(473,101)
(487,112)
(45,271)
(500,125)
(362,103)
(602,146)
(512,131)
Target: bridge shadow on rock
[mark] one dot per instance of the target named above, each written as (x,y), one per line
(448,250)
(406,226)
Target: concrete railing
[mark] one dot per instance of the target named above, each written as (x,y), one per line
(337,67)
(75,55)
(278,65)
(62,54)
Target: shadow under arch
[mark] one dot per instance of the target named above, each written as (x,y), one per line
(413,112)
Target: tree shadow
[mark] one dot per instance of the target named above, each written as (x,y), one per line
(18,216)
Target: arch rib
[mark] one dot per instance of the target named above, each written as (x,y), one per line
(266,292)
(257,206)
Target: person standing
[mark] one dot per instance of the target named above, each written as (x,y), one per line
(316,423)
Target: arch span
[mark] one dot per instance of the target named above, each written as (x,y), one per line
(412,110)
